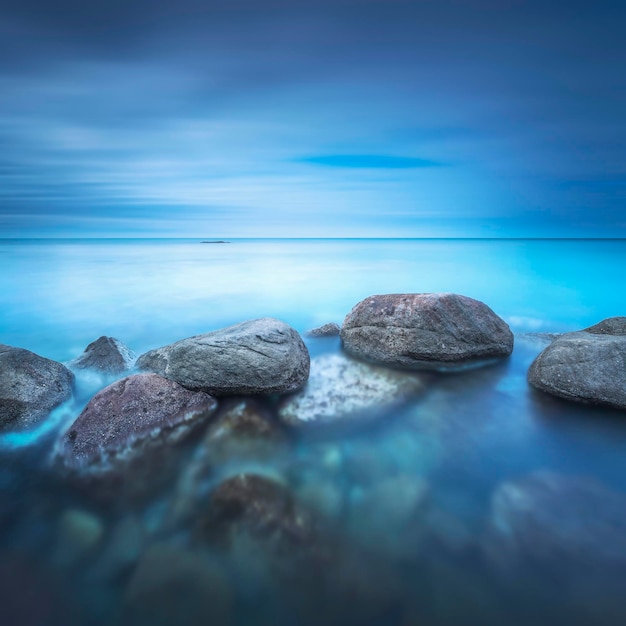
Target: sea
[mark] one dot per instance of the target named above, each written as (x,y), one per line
(413,504)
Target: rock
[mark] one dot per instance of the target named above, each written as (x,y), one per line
(425,331)
(107,355)
(586,366)
(172,586)
(343,391)
(326,330)
(259,508)
(264,356)
(30,387)
(244,430)
(561,524)
(120,420)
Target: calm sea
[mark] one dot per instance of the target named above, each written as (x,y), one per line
(469,434)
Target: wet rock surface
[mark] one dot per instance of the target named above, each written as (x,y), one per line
(137,410)
(325,330)
(30,387)
(343,391)
(587,366)
(107,355)
(425,331)
(264,356)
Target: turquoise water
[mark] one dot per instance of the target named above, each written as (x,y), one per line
(471,432)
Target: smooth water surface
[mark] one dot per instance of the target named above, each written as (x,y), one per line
(471,432)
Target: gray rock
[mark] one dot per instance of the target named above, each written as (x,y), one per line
(559,523)
(341,390)
(263,356)
(107,355)
(425,331)
(30,387)
(586,366)
(139,410)
(326,330)
(172,586)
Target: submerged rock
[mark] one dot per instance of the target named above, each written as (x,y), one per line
(326,330)
(258,508)
(344,391)
(107,355)
(586,366)
(425,331)
(30,387)
(172,586)
(264,356)
(79,533)
(139,410)
(562,524)
(244,430)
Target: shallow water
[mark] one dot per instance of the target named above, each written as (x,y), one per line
(467,435)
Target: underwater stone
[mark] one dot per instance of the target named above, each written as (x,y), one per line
(264,356)
(30,387)
(106,354)
(587,366)
(120,419)
(343,391)
(425,331)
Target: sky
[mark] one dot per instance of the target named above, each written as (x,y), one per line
(312,118)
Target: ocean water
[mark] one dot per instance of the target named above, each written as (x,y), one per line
(409,558)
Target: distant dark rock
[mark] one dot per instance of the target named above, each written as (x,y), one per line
(327,330)
(172,586)
(215,241)
(561,524)
(264,356)
(342,391)
(586,366)
(425,331)
(30,387)
(128,415)
(107,355)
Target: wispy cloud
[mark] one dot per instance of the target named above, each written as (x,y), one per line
(369,161)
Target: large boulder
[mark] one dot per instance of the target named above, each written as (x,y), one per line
(30,387)
(564,525)
(264,356)
(425,331)
(342,391)
(107,355)
(585,366)
(123,418)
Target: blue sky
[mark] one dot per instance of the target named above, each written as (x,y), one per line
(299,118)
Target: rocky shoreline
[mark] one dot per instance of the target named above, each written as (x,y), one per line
(242,396)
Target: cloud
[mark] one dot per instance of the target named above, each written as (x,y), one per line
(368,161)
